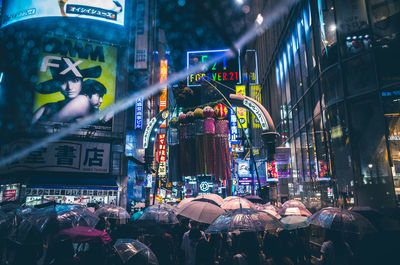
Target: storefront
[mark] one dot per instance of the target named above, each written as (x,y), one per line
(71,194)
(9,192)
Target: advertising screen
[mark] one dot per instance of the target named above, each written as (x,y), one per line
(225,70)
(272,173)
(75,79)
(112,11)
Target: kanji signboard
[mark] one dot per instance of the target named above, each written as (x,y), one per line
(69,156)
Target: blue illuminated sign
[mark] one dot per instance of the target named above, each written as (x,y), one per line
(233,124)
(139,113)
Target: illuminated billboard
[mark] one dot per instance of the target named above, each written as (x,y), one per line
(112,11)
(225,70)
(75,79)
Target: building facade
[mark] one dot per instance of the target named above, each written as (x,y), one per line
(329,72)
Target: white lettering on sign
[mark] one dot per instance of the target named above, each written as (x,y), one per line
(257,112)
(147,132)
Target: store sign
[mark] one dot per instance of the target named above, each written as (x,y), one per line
(241,112)
(147,132)
(139,113)
(233,133)
(163,95)
(89,67)
(162,155)
(258,113)
(63,156)
(253,70)
(224,70)
(272,173)
(112,11)
(255,93)
(141,40)
(205,184)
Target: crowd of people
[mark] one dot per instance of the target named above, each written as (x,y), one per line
(186,243)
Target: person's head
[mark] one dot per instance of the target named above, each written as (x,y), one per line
(95,92)
(194,225)
(71,87)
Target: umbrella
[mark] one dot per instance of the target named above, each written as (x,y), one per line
(294,211)
(112,212)
(157,214)
(294,222)
(293,204)
(201,211)
(231,198)
(75,215)
(237,203)
(26,233)
(136,215)
(338,219)
(254,198)
(82,234)
(211,196)
(206,200)
(184,201)
(134,252)
(268,209)
(244,220)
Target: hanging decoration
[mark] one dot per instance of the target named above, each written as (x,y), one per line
(182,149)
(209,140)
(174,152)
(200,148)
(220,111)
(223,161)
(190,143)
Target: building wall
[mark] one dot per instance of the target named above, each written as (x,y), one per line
(330,76)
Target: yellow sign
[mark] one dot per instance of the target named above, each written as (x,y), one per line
(75,79)
(255,92)
(241,112)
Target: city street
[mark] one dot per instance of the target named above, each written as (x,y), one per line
(199,132)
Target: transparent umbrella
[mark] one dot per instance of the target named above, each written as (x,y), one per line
(75,215)
(338,219)
(268,208)
(244,220)
(134,252)
(157,214)
(112,212)
(294,222)
(201,211)
(285,211)
(237,203)
(293,204)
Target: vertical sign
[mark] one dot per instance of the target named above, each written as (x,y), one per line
(163,96)
(253,67)
(139,113)
(233,125)
(255,92)
(272,174)
(141,34)
(241,112)
(162,155)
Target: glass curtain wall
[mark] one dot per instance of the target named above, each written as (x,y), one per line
(326,75)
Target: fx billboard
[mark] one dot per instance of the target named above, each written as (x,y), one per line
(75,79)
(112,11)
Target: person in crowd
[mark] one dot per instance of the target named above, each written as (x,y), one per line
(207,252)
(274,250)
(248,250)
(190,241)
(334,251)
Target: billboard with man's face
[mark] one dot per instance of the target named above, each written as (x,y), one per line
(75,79)
(112,11)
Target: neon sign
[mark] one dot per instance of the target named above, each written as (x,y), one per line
(224,70)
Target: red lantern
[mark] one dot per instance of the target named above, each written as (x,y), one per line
(208,112)
(220,111)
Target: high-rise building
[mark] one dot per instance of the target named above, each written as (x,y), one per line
(329,72)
